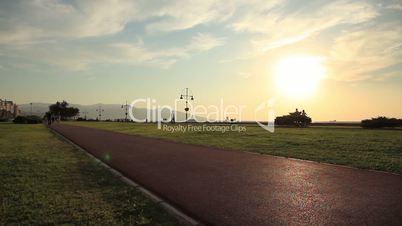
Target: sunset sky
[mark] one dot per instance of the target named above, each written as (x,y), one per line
(337,59)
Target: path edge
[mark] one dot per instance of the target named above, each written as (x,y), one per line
(173,211)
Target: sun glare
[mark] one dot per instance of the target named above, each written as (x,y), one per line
(298,76)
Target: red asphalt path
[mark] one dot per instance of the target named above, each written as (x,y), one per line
(220,187)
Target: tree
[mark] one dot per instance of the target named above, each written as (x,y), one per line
(61,109)
(381,122)
(296,118)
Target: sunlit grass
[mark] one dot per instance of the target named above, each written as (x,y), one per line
(368,149)
(45,181)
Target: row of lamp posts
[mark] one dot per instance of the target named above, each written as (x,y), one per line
(186,95)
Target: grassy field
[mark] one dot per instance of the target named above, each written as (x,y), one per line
(362,148)
(44,181)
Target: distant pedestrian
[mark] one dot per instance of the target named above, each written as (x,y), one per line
(49,118)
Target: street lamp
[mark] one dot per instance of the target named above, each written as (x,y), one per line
(125,106)
(31,107)
(186,96)
(85,114)
(100,110)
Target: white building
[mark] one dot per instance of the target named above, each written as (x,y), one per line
(8,109)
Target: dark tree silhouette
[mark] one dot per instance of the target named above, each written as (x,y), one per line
(297,118)
(30,119)
(381,122)
(61,109)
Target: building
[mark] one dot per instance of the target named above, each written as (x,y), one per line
(8,109)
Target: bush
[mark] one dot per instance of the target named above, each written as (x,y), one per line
(381,122)
(30,119)
(297,118)
(33,119)
(20,120)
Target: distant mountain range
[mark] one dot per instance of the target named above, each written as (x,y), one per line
(111,111)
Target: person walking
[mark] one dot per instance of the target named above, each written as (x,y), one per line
(49,118)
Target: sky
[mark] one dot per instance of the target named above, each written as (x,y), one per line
(110,51)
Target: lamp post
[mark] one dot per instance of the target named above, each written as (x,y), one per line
(85,114)
(100,110)
(126,107)
(172,120)
(185,95)
(31,107)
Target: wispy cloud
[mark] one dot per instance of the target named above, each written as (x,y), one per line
(394,6)
(278,28)
(56,31)
(358,54)
(184,14)
(48,19)
(134,53)
(30,25)
(79,58)
(37,20)
(204,41)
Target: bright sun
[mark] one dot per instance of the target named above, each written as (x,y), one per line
(298,76)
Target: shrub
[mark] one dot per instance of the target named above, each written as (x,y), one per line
(381,122)
(30,119)
(297,118)
(33,119)
(20,120)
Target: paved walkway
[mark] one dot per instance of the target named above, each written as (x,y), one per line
(222,187)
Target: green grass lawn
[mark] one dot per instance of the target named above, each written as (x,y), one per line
(362,148)
(45,181)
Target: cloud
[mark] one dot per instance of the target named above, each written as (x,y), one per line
(388,75)
(278,26)
(42,19)
(44,57)
(203,42)
(55,19)
(53,29)
(359,54)
(394,6)
(47,28)
(135,53)
(26,21)
(49,19)
(370,46)
(184,14)
(104,17)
